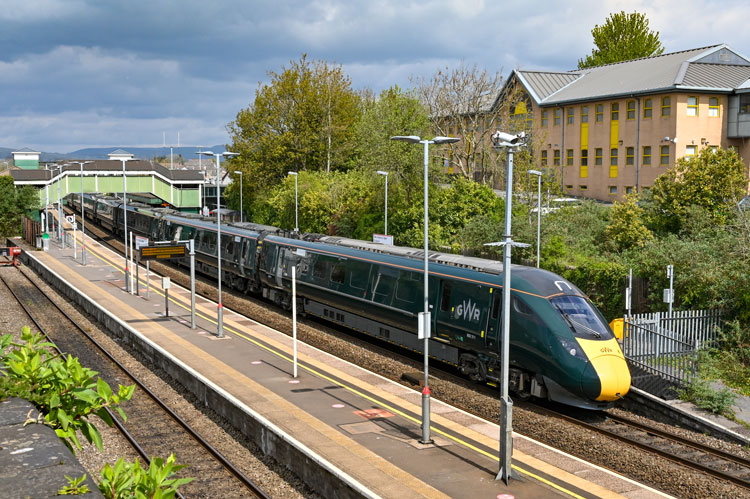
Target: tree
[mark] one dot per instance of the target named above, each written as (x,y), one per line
(714,180)
(626,228)
(621,38)
(459,103)
(14,203)
(302,120)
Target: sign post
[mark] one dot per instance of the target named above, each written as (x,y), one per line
(140,242)
(192,283)
(165,284)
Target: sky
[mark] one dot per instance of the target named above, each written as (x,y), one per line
(96,73)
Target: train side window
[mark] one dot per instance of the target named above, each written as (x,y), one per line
(521,307)
(320,267)
(359,274)
(407,289)
(445,302)
(338,273)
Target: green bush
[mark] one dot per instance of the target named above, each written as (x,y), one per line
(702,395)
(126,480)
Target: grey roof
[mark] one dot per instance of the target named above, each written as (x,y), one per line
(26,149)
(113,165)
(713,68)
(120,152)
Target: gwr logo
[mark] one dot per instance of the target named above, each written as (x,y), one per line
(468,311)
(606,350)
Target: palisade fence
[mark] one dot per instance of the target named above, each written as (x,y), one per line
(661,348)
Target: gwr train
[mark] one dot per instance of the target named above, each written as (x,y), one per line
(561,348)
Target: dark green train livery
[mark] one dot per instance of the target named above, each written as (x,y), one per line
(561,347)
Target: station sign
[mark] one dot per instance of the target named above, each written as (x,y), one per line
(382,239)
(163,252)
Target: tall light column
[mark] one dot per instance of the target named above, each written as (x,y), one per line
(242,212)
(219,306)
(508,141)
(125,222)
(425,316)
(296,205)
(83,217)
(385,174)
(538,212)
(60,232)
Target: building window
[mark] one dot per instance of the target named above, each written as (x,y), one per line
(615,111)
(558,115)
(713,148)
(545,117)
(583,187)
(745,103)
(598,156)
(630,156)
(629,189)
(664,155)
(691,150)
(631,109)
(647,108)
(544,158)
(613,156)
(584,157)
(613,189)
(571,115)
(556,160)
(692,106)
(646,155)
(666,106)
(599,113)
(713,106)
(584,114)
(569,187)
(569,158)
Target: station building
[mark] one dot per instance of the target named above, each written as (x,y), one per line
(611,130)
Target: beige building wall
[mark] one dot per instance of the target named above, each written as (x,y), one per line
(623,135)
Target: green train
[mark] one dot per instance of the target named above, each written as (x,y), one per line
(561,348)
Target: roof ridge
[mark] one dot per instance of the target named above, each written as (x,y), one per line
(655,56)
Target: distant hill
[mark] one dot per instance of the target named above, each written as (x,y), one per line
(101,152)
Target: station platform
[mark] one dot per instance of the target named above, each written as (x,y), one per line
(361,429)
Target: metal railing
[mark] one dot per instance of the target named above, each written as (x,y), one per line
(661,348)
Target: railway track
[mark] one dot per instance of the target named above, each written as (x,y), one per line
(152,428)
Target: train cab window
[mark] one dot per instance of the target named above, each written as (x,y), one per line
(338,273)
(582,318)
(521,307)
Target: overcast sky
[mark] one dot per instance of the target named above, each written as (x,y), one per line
(85,73)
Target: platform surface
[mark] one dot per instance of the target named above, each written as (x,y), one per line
(366,426)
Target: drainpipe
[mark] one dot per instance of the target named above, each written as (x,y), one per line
(563,156)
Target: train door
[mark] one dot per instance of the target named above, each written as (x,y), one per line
(494,325)
(463,313)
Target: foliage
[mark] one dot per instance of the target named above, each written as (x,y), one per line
(713,180)
(459,103)
(621,38)
(626,228)
(303,120)
(66,393)
(75,487)
(14,203)
(700,392)
(394,113)
(126,479)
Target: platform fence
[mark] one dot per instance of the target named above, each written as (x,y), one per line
(661,348)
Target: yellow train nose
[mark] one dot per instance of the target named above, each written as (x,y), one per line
(609,365)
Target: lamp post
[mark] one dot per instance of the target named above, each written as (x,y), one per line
(242,212)
(385,174)
(219,306)
(510,142)
(125,222)
(296,206)
(83,218)
(424,325)
(538,211)
(60,236)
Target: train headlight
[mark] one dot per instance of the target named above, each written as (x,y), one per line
(572,347)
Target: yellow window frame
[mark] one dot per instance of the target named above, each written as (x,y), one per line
(714,107)
(646,154)
(614,111)
(664,153)
(666,106)
(630,110)
(648,109)
(693,107)
(599,113)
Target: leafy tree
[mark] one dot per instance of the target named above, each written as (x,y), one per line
(14,203)
(626,228)
(621,38)
(395,112)
(460,104)
(713,180)
(301,121)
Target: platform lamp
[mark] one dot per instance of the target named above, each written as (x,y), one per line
(385,174)
(296,205)
(83,218)
(242,212)
(509,142)
(219,306)
(125,222)
(424,319)
(538,212)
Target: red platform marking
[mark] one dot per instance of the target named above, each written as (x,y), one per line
(374,413)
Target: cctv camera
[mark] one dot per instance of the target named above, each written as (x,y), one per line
(499,137)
